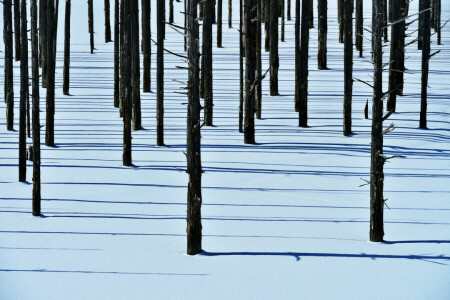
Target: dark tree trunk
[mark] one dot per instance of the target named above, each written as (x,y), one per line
(438,21)
(160,74)
(66,71)
(297,55)
(193,146)
(348,66)
(186,5)
(258,61)
(43,34)
(121,56)
(341,20)
(425,63)
(17,28)
(323,29)
(207,73)
(250,69)
(273,57)
(241,69)
(230,13)
(311,14)
(126,61)
(50,111)
(282,20)
(36,203)
(171,11)
(91,24)
(23,93)
(385,21)
(135,68)
(421,25)
(214,11)
(9,78)
(402,30)
(303,72)
(146,45)
(267,25)
(359,23)
(377,159)
(117,54)
(55,33)
(288,10)
(219,24)
(107,22)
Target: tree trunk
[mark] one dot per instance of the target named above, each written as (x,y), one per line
(348,66)
(55,33)
(107,22)
(36,202)
(385,21)
(297,55)
(9,78)
(219,24)
(258,61)
(160,74)
(117,54)
(146,44)
(50,111)
(267,25)
(311,14)
(193,148)
(23,93)
(121,57)
(438,21)
(359,29)
(230,13)
(341,20)
(323,29)
(207,73)
(288,10)
(126,61)
(425,63)
(241,69)
(377,160)
(135,68)
(421,25)
(91,24)
(282,21)
(303,72)
(17,28)
(250,69)
(273,57)
(43,34)
(66,71)
(171,11)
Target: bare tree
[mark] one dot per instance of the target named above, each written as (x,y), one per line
(207,72)
(117,54)
(50,111)
(359,26)
(107,22)
(348,66)
(66,71)
(241,69)
(146,45)
(160,73)
(23,93)
(126,67)
(219,24)
(323,29)
(303,60)
(273,58)
(91,24)
(135,68)
(250,70)
(258,105)
(9,78)
(297,55)
(341,20)
(230,13)
(425,63)
(17,35)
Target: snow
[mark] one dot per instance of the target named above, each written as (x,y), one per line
(282,219)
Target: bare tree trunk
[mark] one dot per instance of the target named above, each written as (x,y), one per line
(359,29)
(230,13)
(207,73)
(402,30)
(146,45)
(438,21)
(377,160)
(348,66)
(425,63)
(9,78)
(219,24)
(282,20)
(121,56)
(267,25)
(273,57)
(171,11)
(126,61)
(250,69)
(66,71)
(43,35)
(193,145)
(23,93)
(311,14)
(186,5)
(297,55)
(303,72)
(323,29)
(55,33)
(91,24)
(107,22)
(341,20)
(288,10)
(160,74)
(117,54)
(135,68)
(17,28)
(421,25)
(258,61)
(385,21)
(50,111)
(241,69)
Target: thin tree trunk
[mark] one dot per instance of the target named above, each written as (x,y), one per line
(193,146)
(282,21)
(421,25)
(171,11)
(385,20)
(117,54)
(9,78)
(341,20)
(17,35)
(135,68)
(23,93)
(425,63)
(267,25)
(323,30)
(146,45)
(348,66)
(311,14)
(273,57)
(230,13)
(303,72)
(207,73)
(160,74)
(250,69)
(55,33)
(377,160)
(121,56)
(107,22)
(241,69)
(219,24)
(288,10)
(126,60)
(359,29)
(50,111)
(297,55)
(43,35)
(91,24)
(438,21)
(186,5)
(258,61)
(402,31)
(66,71)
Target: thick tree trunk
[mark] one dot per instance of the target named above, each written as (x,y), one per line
(241,69)
(297,55)
(341,20)
(250,69)
(117,54)
(160,74)
(193,148)
(303,72)
(66,71)
(36,202)
(219,24)
(385,20)
(425,63)
(348,66)
(121,56)
(50,111)
(359,29)
(323,29)
(207,73)
(23,93)
(377,160)
(267,25)
(311,14)
(135,68)
(107,22)
(258,105)
(91,24)
(273,57)
(288,10)
(146,45)
(421,25)
(55,33)
(9,78)
(126,61)
(17,35)
(43,34)
(282,21)
(171,11)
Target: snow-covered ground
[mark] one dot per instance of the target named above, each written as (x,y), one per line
(282,219)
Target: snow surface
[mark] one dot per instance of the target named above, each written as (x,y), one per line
(282,219)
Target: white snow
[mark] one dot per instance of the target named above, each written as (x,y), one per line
(282,219)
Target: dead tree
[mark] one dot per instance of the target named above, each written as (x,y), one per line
(171,11)
(126,67)
(359,26)
(241,69)
(207,72)
(438,21)
(230,13)
(17,35)
(219,24)
(258,105)
(66,71)
(107,22)
(160,73)
(91,24)
(385,21)
(43,33)
(193,143)
(311,14)
(146,45)
(341,20)
(273,57)
(50,101)
(425,63)
(297,55)
(323,29)
(303,60)
(282,20)
(421,25)
(9,78)
(288,10)
(135,68)
(117,54)
(250,70)
(348,66)
(36,202)
(23,93)
(266,25)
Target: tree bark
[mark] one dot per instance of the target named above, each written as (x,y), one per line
(421,25)
(359,29)
(241,69)
(273,57)
(193,143)
(66,71)
(230,13)
(288,10)
(219,24)
(385,21)
(126,61)
(9,78)
(23,93)
(250,69)
(425,63)
(258,61)
(146,44)
(267,25)
(117,54)
(303,72)
(207,73)
(121,57)
(341,20)
(91,24)
(135,68)
(348,66)
(160,74)
(323,30)
(171,11)
(17,35)
(311,14)
(282,21)
(438,21)
(50,111)
(107,22)
(43,34)
(297,55)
